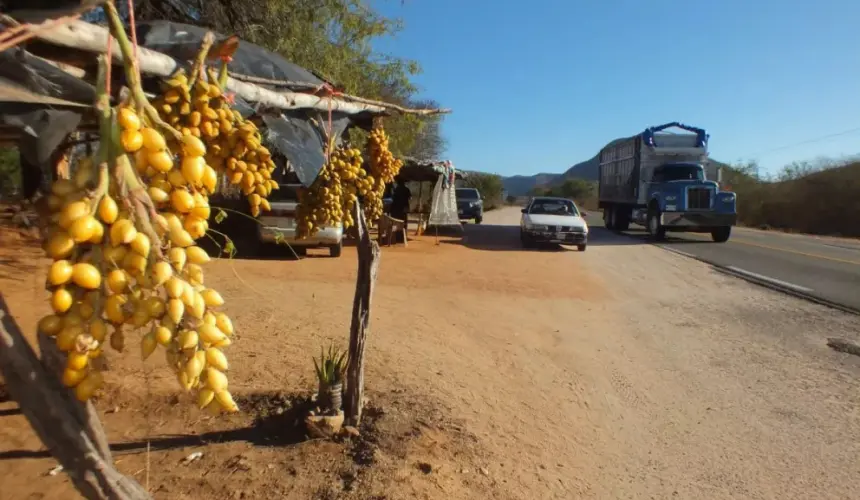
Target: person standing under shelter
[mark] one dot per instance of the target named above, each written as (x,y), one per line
(400,202)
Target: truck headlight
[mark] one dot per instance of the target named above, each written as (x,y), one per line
(671,197)
(727,198)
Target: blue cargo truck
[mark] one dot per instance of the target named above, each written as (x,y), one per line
(665,182)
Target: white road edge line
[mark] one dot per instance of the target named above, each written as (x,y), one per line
(685,254)
(770,280)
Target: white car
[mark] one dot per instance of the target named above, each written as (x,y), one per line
(553,220)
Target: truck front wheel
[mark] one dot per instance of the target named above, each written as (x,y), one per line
(721,234)
(655,230)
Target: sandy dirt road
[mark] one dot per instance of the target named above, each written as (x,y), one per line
(625,371)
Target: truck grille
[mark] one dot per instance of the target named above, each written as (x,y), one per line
(698,199)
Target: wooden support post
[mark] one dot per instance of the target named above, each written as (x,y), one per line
(368,265)
(69,430)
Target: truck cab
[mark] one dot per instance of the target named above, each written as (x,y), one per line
(681,198)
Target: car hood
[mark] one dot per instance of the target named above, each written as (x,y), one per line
(556,220)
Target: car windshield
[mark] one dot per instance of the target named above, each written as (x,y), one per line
(553,207)
(468,194)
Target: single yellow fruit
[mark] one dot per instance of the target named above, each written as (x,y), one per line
(72,319)
(140,244)
(181,238)
(155,307)
(60,272)
(61,300)
(128,119)
(122,232)
(177,257)
(225,400)
(195,226)
(135,264)
(88,386)
(198,306)
(161,273)
(139,318)
(181,200)
(212,298)
(98,233)
(131,140)
(157,195)
(194,367)
(210,179)
(161,161)
(77,360)
(216,380)
(117,340)
(176,179)
(175,287)
(197,255)
(152,140)
(68,337)
(162,335)
(72,378)
(188,339)
(147,345)
(114,308)
(108,210)
(175,310)
(114,255)
(59,245)
(193,146)
(86,276)
(83,229)
(86,310)
(194,274)
(50,325)
(216,359)
(222,321)
(193,168)
(98,330)
(72,212)
(205,397)
(117,280)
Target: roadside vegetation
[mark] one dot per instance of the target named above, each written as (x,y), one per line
(819,197)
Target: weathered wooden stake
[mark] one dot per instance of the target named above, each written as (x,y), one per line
(70,431)
(368,265)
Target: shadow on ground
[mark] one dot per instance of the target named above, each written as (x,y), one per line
(507,238)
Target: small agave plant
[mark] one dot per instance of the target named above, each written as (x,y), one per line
(330,369)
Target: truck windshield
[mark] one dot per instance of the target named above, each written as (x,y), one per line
(468,194)
(679,172)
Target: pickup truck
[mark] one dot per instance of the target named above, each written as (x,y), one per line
(279,224)
(664,182)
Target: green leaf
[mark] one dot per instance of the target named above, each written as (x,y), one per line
(220,216)
(230,248)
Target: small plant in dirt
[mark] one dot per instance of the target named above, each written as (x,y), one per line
(330,370)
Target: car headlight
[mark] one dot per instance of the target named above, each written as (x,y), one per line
(727,197)
(535,227)
(473,203)
(671,197)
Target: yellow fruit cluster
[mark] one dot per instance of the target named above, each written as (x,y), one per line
(343,180)
(330,199)
(199,109)
(120,267)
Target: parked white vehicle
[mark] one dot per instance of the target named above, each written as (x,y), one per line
(553,220)
(279,225)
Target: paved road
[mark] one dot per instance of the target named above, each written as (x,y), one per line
(827,268)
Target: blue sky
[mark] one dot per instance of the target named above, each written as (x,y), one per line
(538,86)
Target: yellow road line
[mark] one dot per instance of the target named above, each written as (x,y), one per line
(786,250)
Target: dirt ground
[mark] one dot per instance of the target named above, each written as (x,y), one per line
(622,372)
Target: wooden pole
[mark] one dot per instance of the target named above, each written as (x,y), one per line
(70,431)
(368,265)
